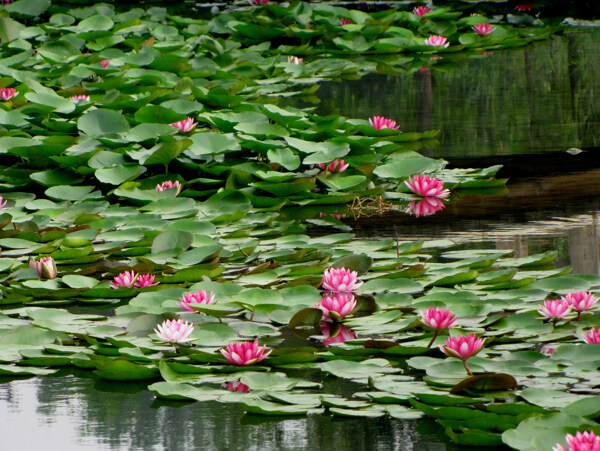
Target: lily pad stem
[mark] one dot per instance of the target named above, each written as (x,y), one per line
(435,334)
(467,368)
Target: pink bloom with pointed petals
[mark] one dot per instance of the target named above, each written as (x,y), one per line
(334,334)
(380,122)
(175,331)
(427,206)
(104,63)
(556,308)
(436,41)
(586,441)
(548,350)
(126,279)
(80,97)
(261,2)
(294,60)
(2,202)
(245,353)
(427,186)
(525,7)
(420,10)
(169,185)
(335,166)
(186,125)
(439,318)
(332,215)
(145,280)
(345,21)
(340,279)
(199,297)
(592,336)
(7,93)
(483,28)
(236,386)
(46,267)
(463,346)
(336,306)
(580,301)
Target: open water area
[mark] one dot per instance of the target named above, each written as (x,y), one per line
(523,108)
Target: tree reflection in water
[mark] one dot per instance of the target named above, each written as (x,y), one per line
(78,411)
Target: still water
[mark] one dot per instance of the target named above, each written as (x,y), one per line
(75,411)
(521,108)
(534,111)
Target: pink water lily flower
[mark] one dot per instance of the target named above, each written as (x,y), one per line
(438,318)
(199,297)
(7,93)
(463,347)
(420,10)
(336,306)
(77,98)
(580,301)
(555,309)
(262,2)
(236,386)
(294,60)
(169,185)
(436,41)
(345,21)
(245,353)
(2,202)
(104,63)
(126,279)
(426,206)
(483,28)
(548,350)
(145,280)
(175,331)
(586,441)
(186,125)
(340,279)
(525,7)
(592,336)
(335,333)
(427,186)
(380,122)
(46,267)
(335,166)
(332,215)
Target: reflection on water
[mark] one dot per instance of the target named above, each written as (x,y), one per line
(556,212)
(75,413)
(539,99)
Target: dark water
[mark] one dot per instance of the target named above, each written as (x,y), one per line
(81,413)
(521,108)
(538,99)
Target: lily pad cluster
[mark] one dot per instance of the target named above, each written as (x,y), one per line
(204,229)
(97,93)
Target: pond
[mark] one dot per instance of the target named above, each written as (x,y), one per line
(523,108)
